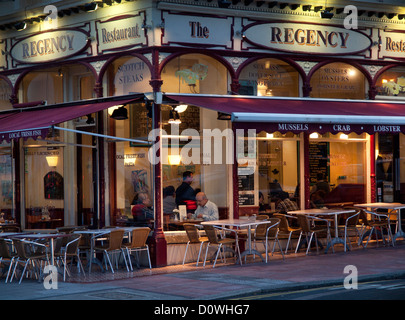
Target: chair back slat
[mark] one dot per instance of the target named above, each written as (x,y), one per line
(192,232)
(4,250)
(303,223)
(139,237)
(211,233)
(73,244)
(115,238)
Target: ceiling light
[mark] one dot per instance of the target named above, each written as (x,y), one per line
(120,114)
(181,108)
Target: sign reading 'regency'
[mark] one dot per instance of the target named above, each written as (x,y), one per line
(303,38)
(49,46)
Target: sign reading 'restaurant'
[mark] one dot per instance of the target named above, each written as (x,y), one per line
(120,32)
(49,46)
(306,38)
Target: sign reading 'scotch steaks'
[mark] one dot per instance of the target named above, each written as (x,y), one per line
(306,38)
(49,46)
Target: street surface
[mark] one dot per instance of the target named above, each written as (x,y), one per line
(375,290)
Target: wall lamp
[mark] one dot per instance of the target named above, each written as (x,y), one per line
(19,26)
(90,7)
(224,3)
(325,14)
(146,26)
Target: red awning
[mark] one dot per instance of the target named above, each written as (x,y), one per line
(36,122)
(304,114)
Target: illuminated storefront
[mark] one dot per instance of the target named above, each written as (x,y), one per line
(303,85)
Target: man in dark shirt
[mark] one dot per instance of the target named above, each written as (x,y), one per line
(185,192)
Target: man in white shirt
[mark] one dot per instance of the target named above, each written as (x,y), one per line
(206,210)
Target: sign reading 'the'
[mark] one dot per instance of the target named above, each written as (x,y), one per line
(50,46)
(306,38)
(197,30)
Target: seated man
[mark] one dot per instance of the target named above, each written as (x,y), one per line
(206,210)
(285,204)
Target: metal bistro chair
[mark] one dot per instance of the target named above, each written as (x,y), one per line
(113,245)
(267,232)
(213,239)
(193,235)
(310,230)
(139,237)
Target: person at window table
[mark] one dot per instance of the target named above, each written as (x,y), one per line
(185,192)
(206,210)
(285,204)
(142,210)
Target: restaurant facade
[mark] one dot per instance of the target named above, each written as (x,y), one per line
(101,101)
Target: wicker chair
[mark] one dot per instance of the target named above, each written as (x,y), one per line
(29,253)
(113,245)
(6,256)
(213,239)
(351,223)
(70,250)
(268,232)
(285,229)
(381,221)
(138,243)
(310,230)
(193,235)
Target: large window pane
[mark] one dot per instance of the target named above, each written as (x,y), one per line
(269,77)
(338,80)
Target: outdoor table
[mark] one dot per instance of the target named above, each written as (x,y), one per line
(241,223)
(395,206)
(327,212)
(94,233)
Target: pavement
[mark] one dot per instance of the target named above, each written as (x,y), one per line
(224,282)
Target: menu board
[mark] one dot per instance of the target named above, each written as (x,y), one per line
(246,183)
(318,160)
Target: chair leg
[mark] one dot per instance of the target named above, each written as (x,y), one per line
(109,261)
(206,253)
(129,259)
(147,250)
(298,243)
(9,268)
(199,253)
(288,242)
(185,253)
(216,257)
(309,243)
